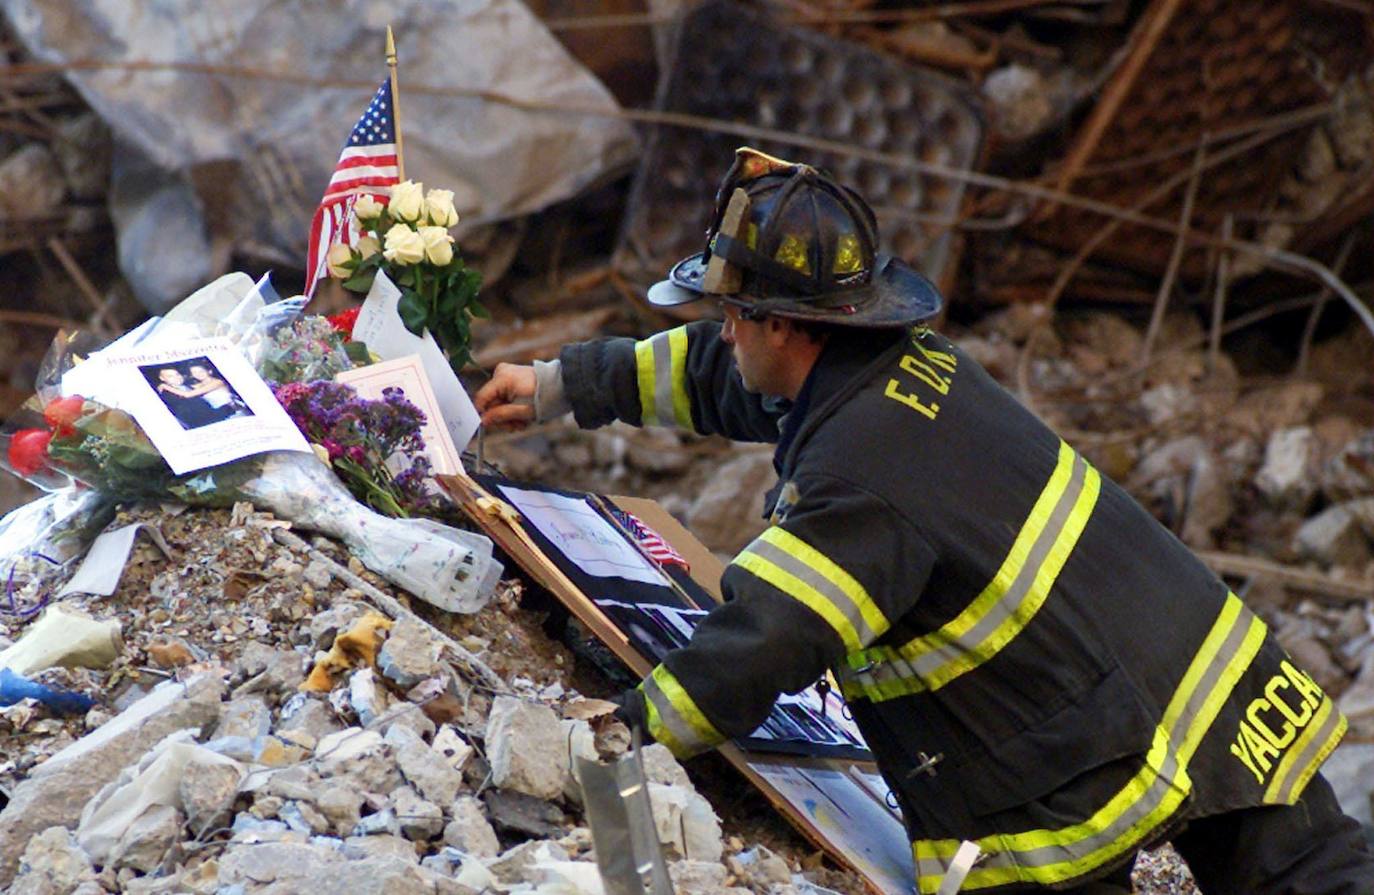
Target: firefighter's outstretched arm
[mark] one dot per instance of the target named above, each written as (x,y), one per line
(803,595)
(683,377)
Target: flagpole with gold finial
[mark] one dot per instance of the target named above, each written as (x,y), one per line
(395,102)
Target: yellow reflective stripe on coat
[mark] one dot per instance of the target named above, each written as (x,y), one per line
(816,581)
(661,369)
(1306,755)
(1008,603)
(1146,802)
(673,717)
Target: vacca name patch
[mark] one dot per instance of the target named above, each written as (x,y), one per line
(1273,722)
(927,368)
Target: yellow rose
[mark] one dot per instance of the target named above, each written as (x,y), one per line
(439,206)
(368,208)
(368,246)
(340,260)
(407,201)
(404,245)
(438,245)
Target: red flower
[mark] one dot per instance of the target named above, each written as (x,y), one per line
(29,450)
(63,413)
(344,320)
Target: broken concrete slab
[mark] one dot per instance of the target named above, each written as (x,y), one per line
(410,654)
(245,864)
(309,714)
(661,766)
(450,744)
(342,807)
(687,825)
(469,831)
(361,757)
(420,820)
(148,839)
(206,791)
(52,864)
(60,787)
(525,748)
(1334,537)
(247,716)
(426,769)
(514,863)
(1288,478)
(522,815)
(718,516)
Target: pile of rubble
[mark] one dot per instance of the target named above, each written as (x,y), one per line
(262,727)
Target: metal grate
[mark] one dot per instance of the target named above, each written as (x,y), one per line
(737,64)
(1204,66)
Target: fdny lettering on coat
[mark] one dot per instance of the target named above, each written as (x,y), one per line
(1272,721)
(927,367)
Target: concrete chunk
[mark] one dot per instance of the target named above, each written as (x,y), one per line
(469,831)
(1333,537)
(420,820)
(52,863)
(1288,477)
(525,747)
(58,789)
(148,838)
(410,654)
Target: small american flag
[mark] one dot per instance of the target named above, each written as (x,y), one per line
(654,545)
(367,166)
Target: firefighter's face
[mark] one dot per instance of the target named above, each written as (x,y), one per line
(755,353)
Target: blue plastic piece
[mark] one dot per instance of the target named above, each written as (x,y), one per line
(14,687)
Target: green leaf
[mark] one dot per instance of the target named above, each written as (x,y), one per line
(358,353)
(413,312)
(360,282)
(406,278)
(479,310)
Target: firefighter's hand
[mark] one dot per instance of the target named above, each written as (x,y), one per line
(507,401)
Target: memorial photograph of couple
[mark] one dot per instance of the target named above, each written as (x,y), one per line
(195,392)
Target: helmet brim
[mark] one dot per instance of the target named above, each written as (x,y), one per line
(897,296)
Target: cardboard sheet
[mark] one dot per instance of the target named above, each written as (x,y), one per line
(836,803)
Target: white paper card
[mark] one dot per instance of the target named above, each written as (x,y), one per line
(379,326)
(201,404)
(105,561)
(582,535)
(407,374)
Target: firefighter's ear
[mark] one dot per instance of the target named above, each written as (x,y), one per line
(778,331)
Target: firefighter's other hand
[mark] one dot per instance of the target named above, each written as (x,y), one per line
(507,401)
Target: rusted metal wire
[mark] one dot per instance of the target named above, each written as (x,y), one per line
(968,9)
(1267,255)
(1166,285)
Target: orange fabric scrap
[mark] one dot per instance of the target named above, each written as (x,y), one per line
(353,648)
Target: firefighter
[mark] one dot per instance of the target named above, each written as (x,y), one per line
(1038,666)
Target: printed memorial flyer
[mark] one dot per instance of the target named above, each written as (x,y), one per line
(200,403)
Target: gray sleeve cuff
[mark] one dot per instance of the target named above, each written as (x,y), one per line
(549,400)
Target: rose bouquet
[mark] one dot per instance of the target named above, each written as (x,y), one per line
(408,238)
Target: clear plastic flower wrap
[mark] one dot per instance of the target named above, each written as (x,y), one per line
(39,539)
(59,440)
